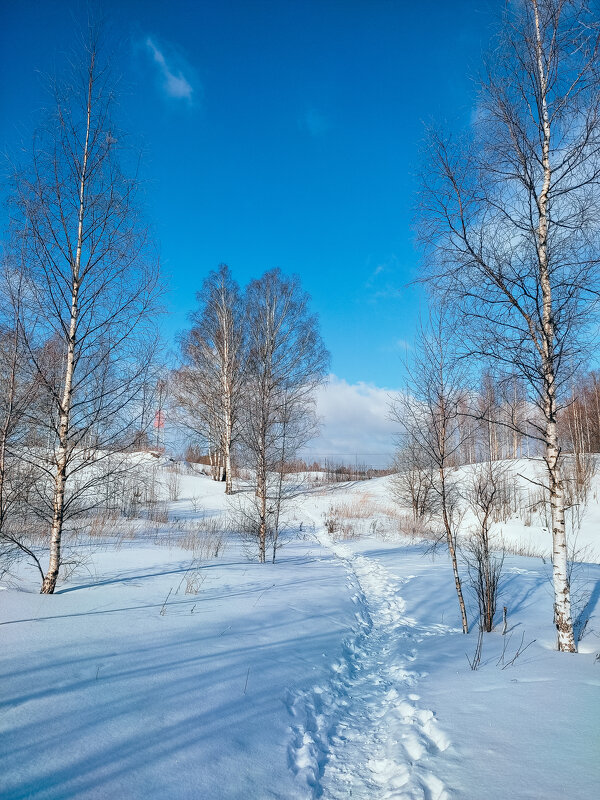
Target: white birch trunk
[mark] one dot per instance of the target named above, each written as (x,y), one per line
(227,399)
(562,595)
(453,557)
(262,499)
(60,481)
(442,459)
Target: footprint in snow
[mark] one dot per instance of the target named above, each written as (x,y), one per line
(363,735)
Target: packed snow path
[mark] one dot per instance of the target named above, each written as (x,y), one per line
(363,734)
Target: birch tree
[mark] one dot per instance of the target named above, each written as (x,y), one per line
(287,360)
(92,280)
(209,386)
(429,412)
(510,221)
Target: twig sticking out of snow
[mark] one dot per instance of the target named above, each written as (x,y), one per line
(163,610)
(520,649)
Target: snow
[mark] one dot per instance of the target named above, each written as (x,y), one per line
(363,734)
(340,671)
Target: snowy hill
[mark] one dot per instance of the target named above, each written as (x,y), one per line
(162,670)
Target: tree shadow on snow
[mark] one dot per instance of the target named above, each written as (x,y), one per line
(121,730)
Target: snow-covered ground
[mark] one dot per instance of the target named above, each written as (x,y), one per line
(338,672)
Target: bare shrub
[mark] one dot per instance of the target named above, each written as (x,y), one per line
(197,504)
(75,563)
(158,514)
(578,472)
(406,525)
(359,507)
(109,527)
(206,538)
(193,581)
(537,507)
(484,495)
(338,526)
(173,483)
(104,525)
(413,485)
(526,549)
(349,531)
(193,578)
(507,659)
(331,520)
(364,516)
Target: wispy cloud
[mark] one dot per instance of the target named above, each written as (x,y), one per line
(173,82)
(383,281)
(315,122)
(403,345)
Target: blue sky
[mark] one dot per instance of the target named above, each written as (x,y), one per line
(276,133)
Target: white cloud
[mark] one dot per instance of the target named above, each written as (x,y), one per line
(173,81)
(355,423)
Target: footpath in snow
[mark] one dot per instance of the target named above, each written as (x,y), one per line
(363,733)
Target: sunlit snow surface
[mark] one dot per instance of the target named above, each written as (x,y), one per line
(338,672)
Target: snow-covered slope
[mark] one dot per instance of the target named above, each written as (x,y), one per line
(340,671)
(525,530)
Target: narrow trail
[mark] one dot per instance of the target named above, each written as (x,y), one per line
(363,734)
